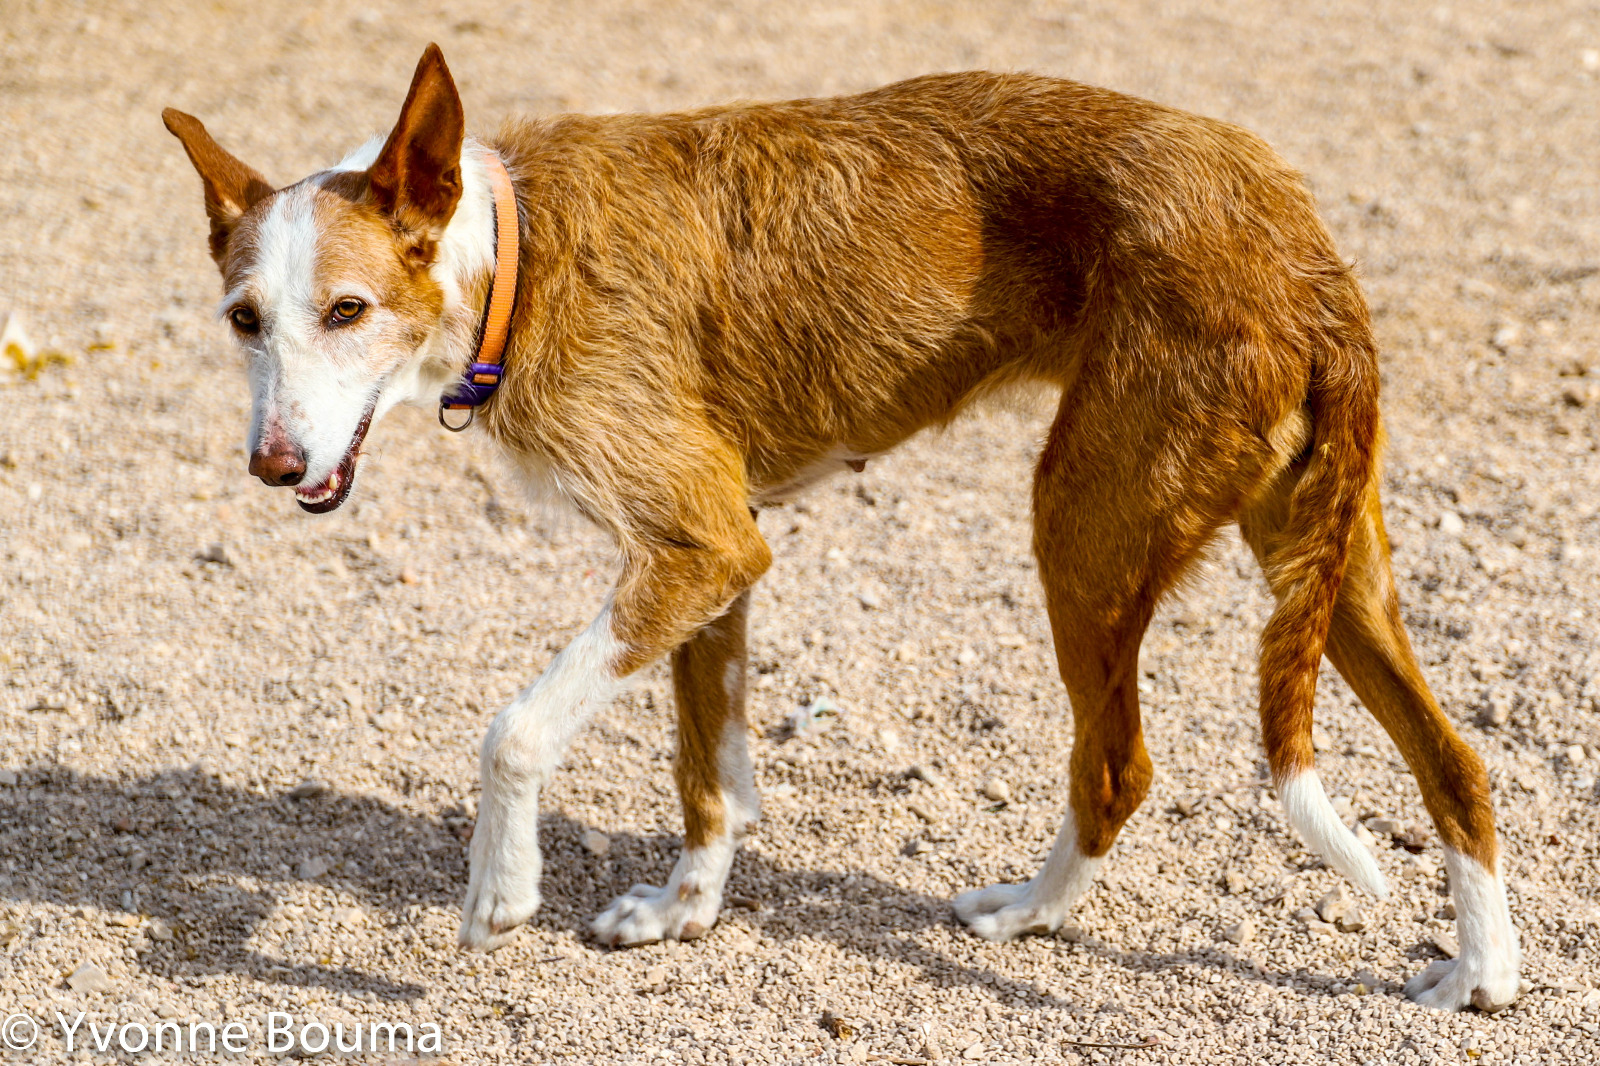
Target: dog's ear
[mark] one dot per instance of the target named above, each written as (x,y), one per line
(417,176)
(231,188)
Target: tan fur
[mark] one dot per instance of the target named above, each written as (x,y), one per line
(715,305)
(708,707)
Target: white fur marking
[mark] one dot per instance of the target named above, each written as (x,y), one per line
(363,157)
(465,255)
(688,904)
(1313,817)
(1485,973)
(1005,912)
(682,909)
(524,743)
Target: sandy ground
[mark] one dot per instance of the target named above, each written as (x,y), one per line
(180,648)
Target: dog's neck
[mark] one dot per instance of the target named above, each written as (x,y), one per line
(464,266)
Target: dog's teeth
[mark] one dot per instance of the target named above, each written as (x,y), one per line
(333,481)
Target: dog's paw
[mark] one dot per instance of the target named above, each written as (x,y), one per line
(490,916)
(648,914)
(1005,912)
(500,897)
(1454,984)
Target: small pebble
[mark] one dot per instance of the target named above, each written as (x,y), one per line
(815,717)
(1576,754)
(311,869)
(1418,867)
(310,788)
(1236,883)
(1383,827)
(838,1027)
(1413,838)
(348,917)
(353,698)
(997,790)
(927,775)
(88,979)
(8,778)
(159,930)
(596,843)
(1240,932)
(1336,905)
(217,553)
(389,720)
(1445,943)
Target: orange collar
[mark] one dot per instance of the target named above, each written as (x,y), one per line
(482,378)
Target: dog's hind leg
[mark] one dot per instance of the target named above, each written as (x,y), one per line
(1108,544)
(1367,643)
(715,785)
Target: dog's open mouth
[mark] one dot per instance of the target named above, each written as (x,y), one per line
(327,496)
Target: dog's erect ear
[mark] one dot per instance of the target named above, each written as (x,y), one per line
(231,187)
(417,177)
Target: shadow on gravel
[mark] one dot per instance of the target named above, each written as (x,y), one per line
(209,860)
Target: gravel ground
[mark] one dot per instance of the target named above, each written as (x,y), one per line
(181,648)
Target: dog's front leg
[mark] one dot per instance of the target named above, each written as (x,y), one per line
(715,785)
(688,590)
(523,746)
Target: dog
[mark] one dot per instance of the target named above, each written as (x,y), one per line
(669,321)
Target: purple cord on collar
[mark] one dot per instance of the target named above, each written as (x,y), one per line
(472,390)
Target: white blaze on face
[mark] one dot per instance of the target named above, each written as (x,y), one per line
(308,381)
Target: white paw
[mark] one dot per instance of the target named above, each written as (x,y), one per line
(1457,983)
(503,891)
(1005,912)
(489,918)
(648,914)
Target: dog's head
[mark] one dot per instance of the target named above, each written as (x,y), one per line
(331,284)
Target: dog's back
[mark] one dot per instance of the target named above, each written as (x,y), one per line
(908,247)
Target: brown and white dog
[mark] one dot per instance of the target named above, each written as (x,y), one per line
(715,308)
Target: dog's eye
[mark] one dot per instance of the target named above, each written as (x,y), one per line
(244,320)
(347,310)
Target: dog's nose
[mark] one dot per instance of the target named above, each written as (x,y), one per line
(279,463)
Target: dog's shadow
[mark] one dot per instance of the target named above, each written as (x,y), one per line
(208,860)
